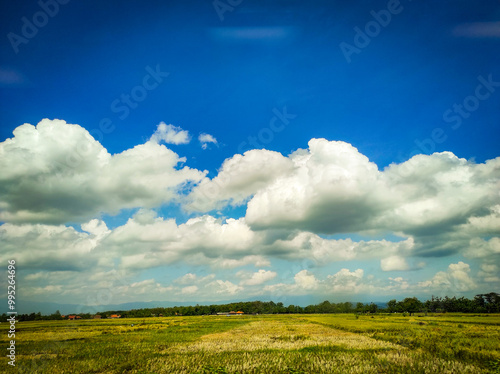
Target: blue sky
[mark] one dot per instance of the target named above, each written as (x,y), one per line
(349,150)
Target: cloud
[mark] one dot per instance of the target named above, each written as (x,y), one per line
(346,281)
(207,287)
(201,240)
(240,177)
(331,188)
(231,243)
(170,134)
(307,245)
(435,205)
(231,263)
(398,284)
(394,263)
(335,189)
(455,279)
(483,248)
(57,172)
(256,278)
(96,227)
(489,273)
(186,279)
(224,287)
(305,280)
(204,139)
(488,224)
(56,248)
(189,290)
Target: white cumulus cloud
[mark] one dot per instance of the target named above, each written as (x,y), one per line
(240,177)
(56,172)
(394,263)
(257,278)
(455,279)
(170,134)
(204,139)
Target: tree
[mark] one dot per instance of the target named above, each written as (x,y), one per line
(391,305)
(359,307)
(412,305)
(372,308)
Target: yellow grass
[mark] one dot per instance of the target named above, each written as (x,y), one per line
(273,334)
(287,344)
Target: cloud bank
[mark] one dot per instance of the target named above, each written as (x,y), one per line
(57,172)
(320,220)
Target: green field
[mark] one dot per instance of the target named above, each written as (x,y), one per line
(305,343)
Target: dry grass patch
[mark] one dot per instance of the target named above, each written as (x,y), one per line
(268,334)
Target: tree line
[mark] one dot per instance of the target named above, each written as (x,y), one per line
(482,303)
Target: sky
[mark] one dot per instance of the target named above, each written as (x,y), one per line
(215,151)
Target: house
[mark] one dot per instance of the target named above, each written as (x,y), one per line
(97,316)
(71,317)
(115,316)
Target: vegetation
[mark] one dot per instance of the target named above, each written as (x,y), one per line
(484,303)
(283,343)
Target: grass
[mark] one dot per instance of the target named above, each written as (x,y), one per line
(331,343)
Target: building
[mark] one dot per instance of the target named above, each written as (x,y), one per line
(97,316)
(231,313)
(115,316)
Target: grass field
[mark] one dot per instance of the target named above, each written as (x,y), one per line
(307,343)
